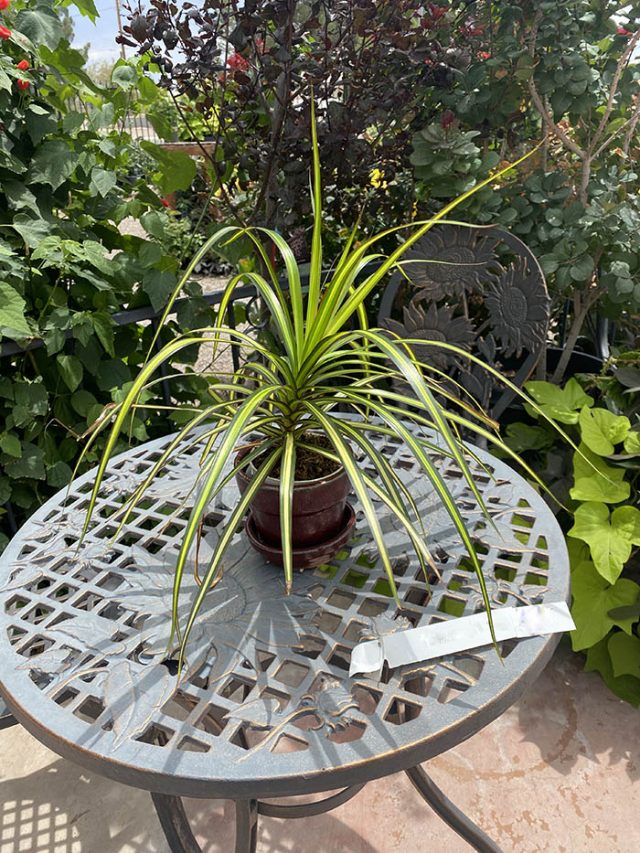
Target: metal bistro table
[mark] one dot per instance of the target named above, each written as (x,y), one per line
(265,708)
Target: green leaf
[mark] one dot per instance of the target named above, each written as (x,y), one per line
(625,654)
(6,388)
(626,686)
(124,76)
(82,401)
(82,327)
(108,147)
(582,268)
(41,25)
(86,8)
(103,117)
(53,163)
(521,437)
(10,444)
(606,484)
(627,519)
(152,224)
(5,490)
(31,400)
(632,443)
(30,465)
(601,429)
(177,170)
(6,83)
(13,323)
(158,285)
(71,370)
(20,197)
(103,325)
(102,181)
(164,128)
(59,474)
(73,121)
(593,602)
(113,374)
(561,404)
(32,231)
(609,538)
(40,123)
(54,340)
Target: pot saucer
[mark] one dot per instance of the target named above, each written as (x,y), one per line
(312,555)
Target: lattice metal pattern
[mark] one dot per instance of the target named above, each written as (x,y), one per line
(266,693)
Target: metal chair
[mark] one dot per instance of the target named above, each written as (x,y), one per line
(481,289)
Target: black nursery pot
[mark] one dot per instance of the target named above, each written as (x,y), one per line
(321,518)
(579,362)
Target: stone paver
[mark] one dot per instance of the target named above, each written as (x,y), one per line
(558,772)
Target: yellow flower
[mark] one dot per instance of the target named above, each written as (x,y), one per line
(377,181)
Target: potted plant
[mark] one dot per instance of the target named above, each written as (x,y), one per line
(278,411)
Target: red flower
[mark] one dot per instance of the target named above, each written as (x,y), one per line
(4,4)
(23,85)
(434,14)
(5,33)
(165,202)
(622,31)
(237,62)
(437,12)
(447,119)
(484,54)
(23,65)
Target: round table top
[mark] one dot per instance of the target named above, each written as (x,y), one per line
(265,706)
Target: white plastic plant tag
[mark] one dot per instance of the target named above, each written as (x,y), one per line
(458,635)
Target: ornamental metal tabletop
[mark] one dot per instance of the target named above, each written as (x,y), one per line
(265,706)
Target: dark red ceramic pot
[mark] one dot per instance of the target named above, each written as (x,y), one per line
(318,508)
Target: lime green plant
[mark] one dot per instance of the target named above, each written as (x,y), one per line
(326,357)
(600,483)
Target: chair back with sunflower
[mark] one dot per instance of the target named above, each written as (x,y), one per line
(481,289)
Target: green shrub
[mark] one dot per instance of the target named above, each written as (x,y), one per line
(65,267)
(603,520)
(564,70)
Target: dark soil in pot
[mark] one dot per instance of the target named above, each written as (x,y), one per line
(319,504)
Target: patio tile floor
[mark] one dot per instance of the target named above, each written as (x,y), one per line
(560,771)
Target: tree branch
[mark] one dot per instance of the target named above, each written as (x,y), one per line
(547,119)
(633,121)
(622,62)
(551,126)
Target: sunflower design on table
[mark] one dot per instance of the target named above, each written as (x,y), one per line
(244,616)
(518,306)
(433,323)
(449,261)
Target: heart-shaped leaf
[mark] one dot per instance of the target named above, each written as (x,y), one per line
(601,430)
(609,537)
(593,602)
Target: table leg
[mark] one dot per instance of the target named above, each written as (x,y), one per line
(175,824)
(180,838)
(450,813)
(6,719)
(246,826)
